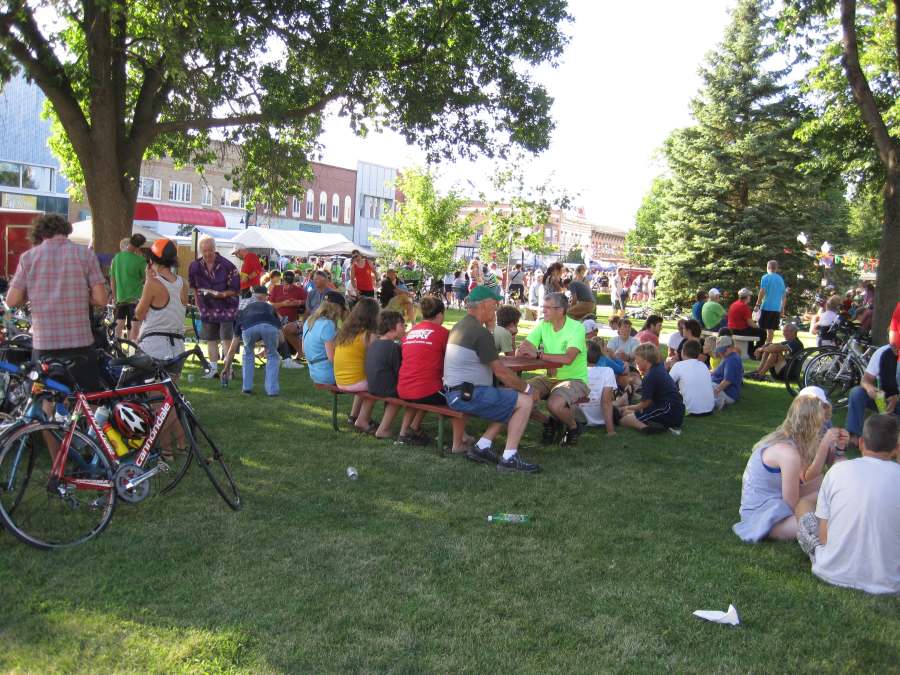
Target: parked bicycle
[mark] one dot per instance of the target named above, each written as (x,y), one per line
(60,478)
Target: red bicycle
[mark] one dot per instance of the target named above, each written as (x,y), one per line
(60,479)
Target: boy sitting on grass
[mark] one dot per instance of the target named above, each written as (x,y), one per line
(602,382)
(693,380)
(661,406)
(853,537)
(729,374)
(383,359)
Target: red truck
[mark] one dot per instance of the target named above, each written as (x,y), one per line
(15,228)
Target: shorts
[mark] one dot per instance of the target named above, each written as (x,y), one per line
(85,366)
(448,288)
(356,387)
(461,293)
(367,294)
(125,312)
(572,391)
(490,403)
(769,320)
(667,413)
(581,309)
(213,331)
(163,348)
(436,398)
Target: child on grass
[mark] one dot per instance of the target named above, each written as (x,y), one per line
(661,406)
(602,382)
(693,380)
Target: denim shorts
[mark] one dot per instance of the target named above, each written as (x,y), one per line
(490,403)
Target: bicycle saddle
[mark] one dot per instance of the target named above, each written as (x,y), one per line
(140,362)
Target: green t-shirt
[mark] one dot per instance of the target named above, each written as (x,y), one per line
(712,314)
(127,271)
(570,335)
(503,340)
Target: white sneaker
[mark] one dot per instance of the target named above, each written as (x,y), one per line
(290,363)
(211,374)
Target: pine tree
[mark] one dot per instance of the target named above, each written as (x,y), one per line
(739,196)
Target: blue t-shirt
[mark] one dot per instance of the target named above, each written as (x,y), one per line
(618,367)
(731,369)
(773,285)
(658,387)
(696,310)
(321,370)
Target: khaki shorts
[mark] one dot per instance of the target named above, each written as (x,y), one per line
(571,390)
(581,309)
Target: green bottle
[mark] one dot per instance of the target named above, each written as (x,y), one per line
(508,518)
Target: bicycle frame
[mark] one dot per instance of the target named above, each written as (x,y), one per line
(83,409)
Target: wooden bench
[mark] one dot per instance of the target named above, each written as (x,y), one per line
(441,411)
(742,342)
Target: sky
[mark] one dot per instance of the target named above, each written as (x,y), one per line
(622,85)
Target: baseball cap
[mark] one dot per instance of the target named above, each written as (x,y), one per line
(336,298)
(590,326)
(723,342)
(818,392)
(260,290)
(714,291)
(480,293)
(744,292)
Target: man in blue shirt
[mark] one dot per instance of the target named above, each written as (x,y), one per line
(729,376)
(697,307)
(770,300)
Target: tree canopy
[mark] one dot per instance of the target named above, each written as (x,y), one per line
(642,241)
(127,79)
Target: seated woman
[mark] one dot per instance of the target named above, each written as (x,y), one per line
(422,367)
(784,471)
(350,345)
(318,337)
(825,321)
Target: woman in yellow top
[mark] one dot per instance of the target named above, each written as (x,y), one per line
(350,345)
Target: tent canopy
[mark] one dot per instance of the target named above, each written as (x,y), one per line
(287,242)
(344,248)
(83,232)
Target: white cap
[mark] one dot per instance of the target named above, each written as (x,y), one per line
(818,392)
(589,326)
(714,291)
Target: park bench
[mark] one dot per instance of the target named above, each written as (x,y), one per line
(441,411)
(742,342)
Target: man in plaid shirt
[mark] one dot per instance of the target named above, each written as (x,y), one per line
(60,280)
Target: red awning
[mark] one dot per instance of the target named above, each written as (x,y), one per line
(182,215)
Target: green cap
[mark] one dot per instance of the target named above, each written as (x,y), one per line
(480,293)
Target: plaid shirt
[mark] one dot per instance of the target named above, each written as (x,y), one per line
(57,276)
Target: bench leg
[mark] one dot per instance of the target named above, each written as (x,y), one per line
(334,410)
(440,436)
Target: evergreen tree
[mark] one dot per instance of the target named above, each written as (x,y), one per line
(642,241)
(739,196)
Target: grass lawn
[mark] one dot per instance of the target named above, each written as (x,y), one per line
(399,570)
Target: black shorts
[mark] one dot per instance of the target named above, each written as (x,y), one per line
(85,366)
(448,288)
(437,398)
(125,312)
(769,320)
(367,294)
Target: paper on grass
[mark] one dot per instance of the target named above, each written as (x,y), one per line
(730,617)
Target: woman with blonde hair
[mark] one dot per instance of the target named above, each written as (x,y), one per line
(784,471)
(476,278)
(318,337)
(350,345)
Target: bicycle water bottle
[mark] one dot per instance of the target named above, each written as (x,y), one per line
(115,438)
(101,417)
(508,518)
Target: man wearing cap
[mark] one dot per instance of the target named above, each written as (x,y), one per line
(774,357)
(713,313)
(258,321)
(126,281)
(471,363)
(771,299)
(215,283)
(740,319)
(251,269)
(562,340)
(728,377)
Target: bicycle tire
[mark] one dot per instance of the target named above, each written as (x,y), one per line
(49,518)
(178,467)
(209,457)
(824,370)
(796,367)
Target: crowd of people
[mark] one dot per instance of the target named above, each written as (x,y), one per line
(363,335)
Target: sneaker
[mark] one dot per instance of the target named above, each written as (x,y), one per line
(654,428)
(414,438)
(480,456)
(551,428)
(516,463)
(570,437)
(808,534)
(291,363)
(351,420)
(211,373)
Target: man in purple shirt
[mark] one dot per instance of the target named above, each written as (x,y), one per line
(216,284)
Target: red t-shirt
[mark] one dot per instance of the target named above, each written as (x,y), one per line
(739,315)
(283,292)
(422,367)
(895,328)
(363,277)
(253,269)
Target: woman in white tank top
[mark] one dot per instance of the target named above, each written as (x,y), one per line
(162,306)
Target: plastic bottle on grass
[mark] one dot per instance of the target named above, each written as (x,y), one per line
(508,518)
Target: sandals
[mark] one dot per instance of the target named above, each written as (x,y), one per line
(371,429)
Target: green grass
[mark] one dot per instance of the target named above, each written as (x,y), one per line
(399,571)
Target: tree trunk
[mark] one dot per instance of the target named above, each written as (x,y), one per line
(887,289)
(111,198)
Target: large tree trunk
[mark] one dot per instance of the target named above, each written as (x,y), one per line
(887,291)
(112,197)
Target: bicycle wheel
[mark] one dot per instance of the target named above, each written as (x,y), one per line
(41,512)
(796,368)
(833,372)
(210,458)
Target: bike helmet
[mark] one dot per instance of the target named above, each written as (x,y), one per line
(132,419)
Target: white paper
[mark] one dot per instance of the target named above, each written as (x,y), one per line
(730,617)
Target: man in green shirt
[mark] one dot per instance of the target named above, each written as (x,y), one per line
(126,279)
(712,313)
(563,345)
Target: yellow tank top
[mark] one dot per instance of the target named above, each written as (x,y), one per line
(350,361)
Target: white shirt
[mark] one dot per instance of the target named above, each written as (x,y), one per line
(872,367)
(861,502)
(449,279)
(695,384)
(617,344)
(826,319)
(599,378)
(675,340)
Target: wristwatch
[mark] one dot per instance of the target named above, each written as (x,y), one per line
(527,389)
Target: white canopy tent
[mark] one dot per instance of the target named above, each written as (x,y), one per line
(344,248)
(83,232)
(288,242)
